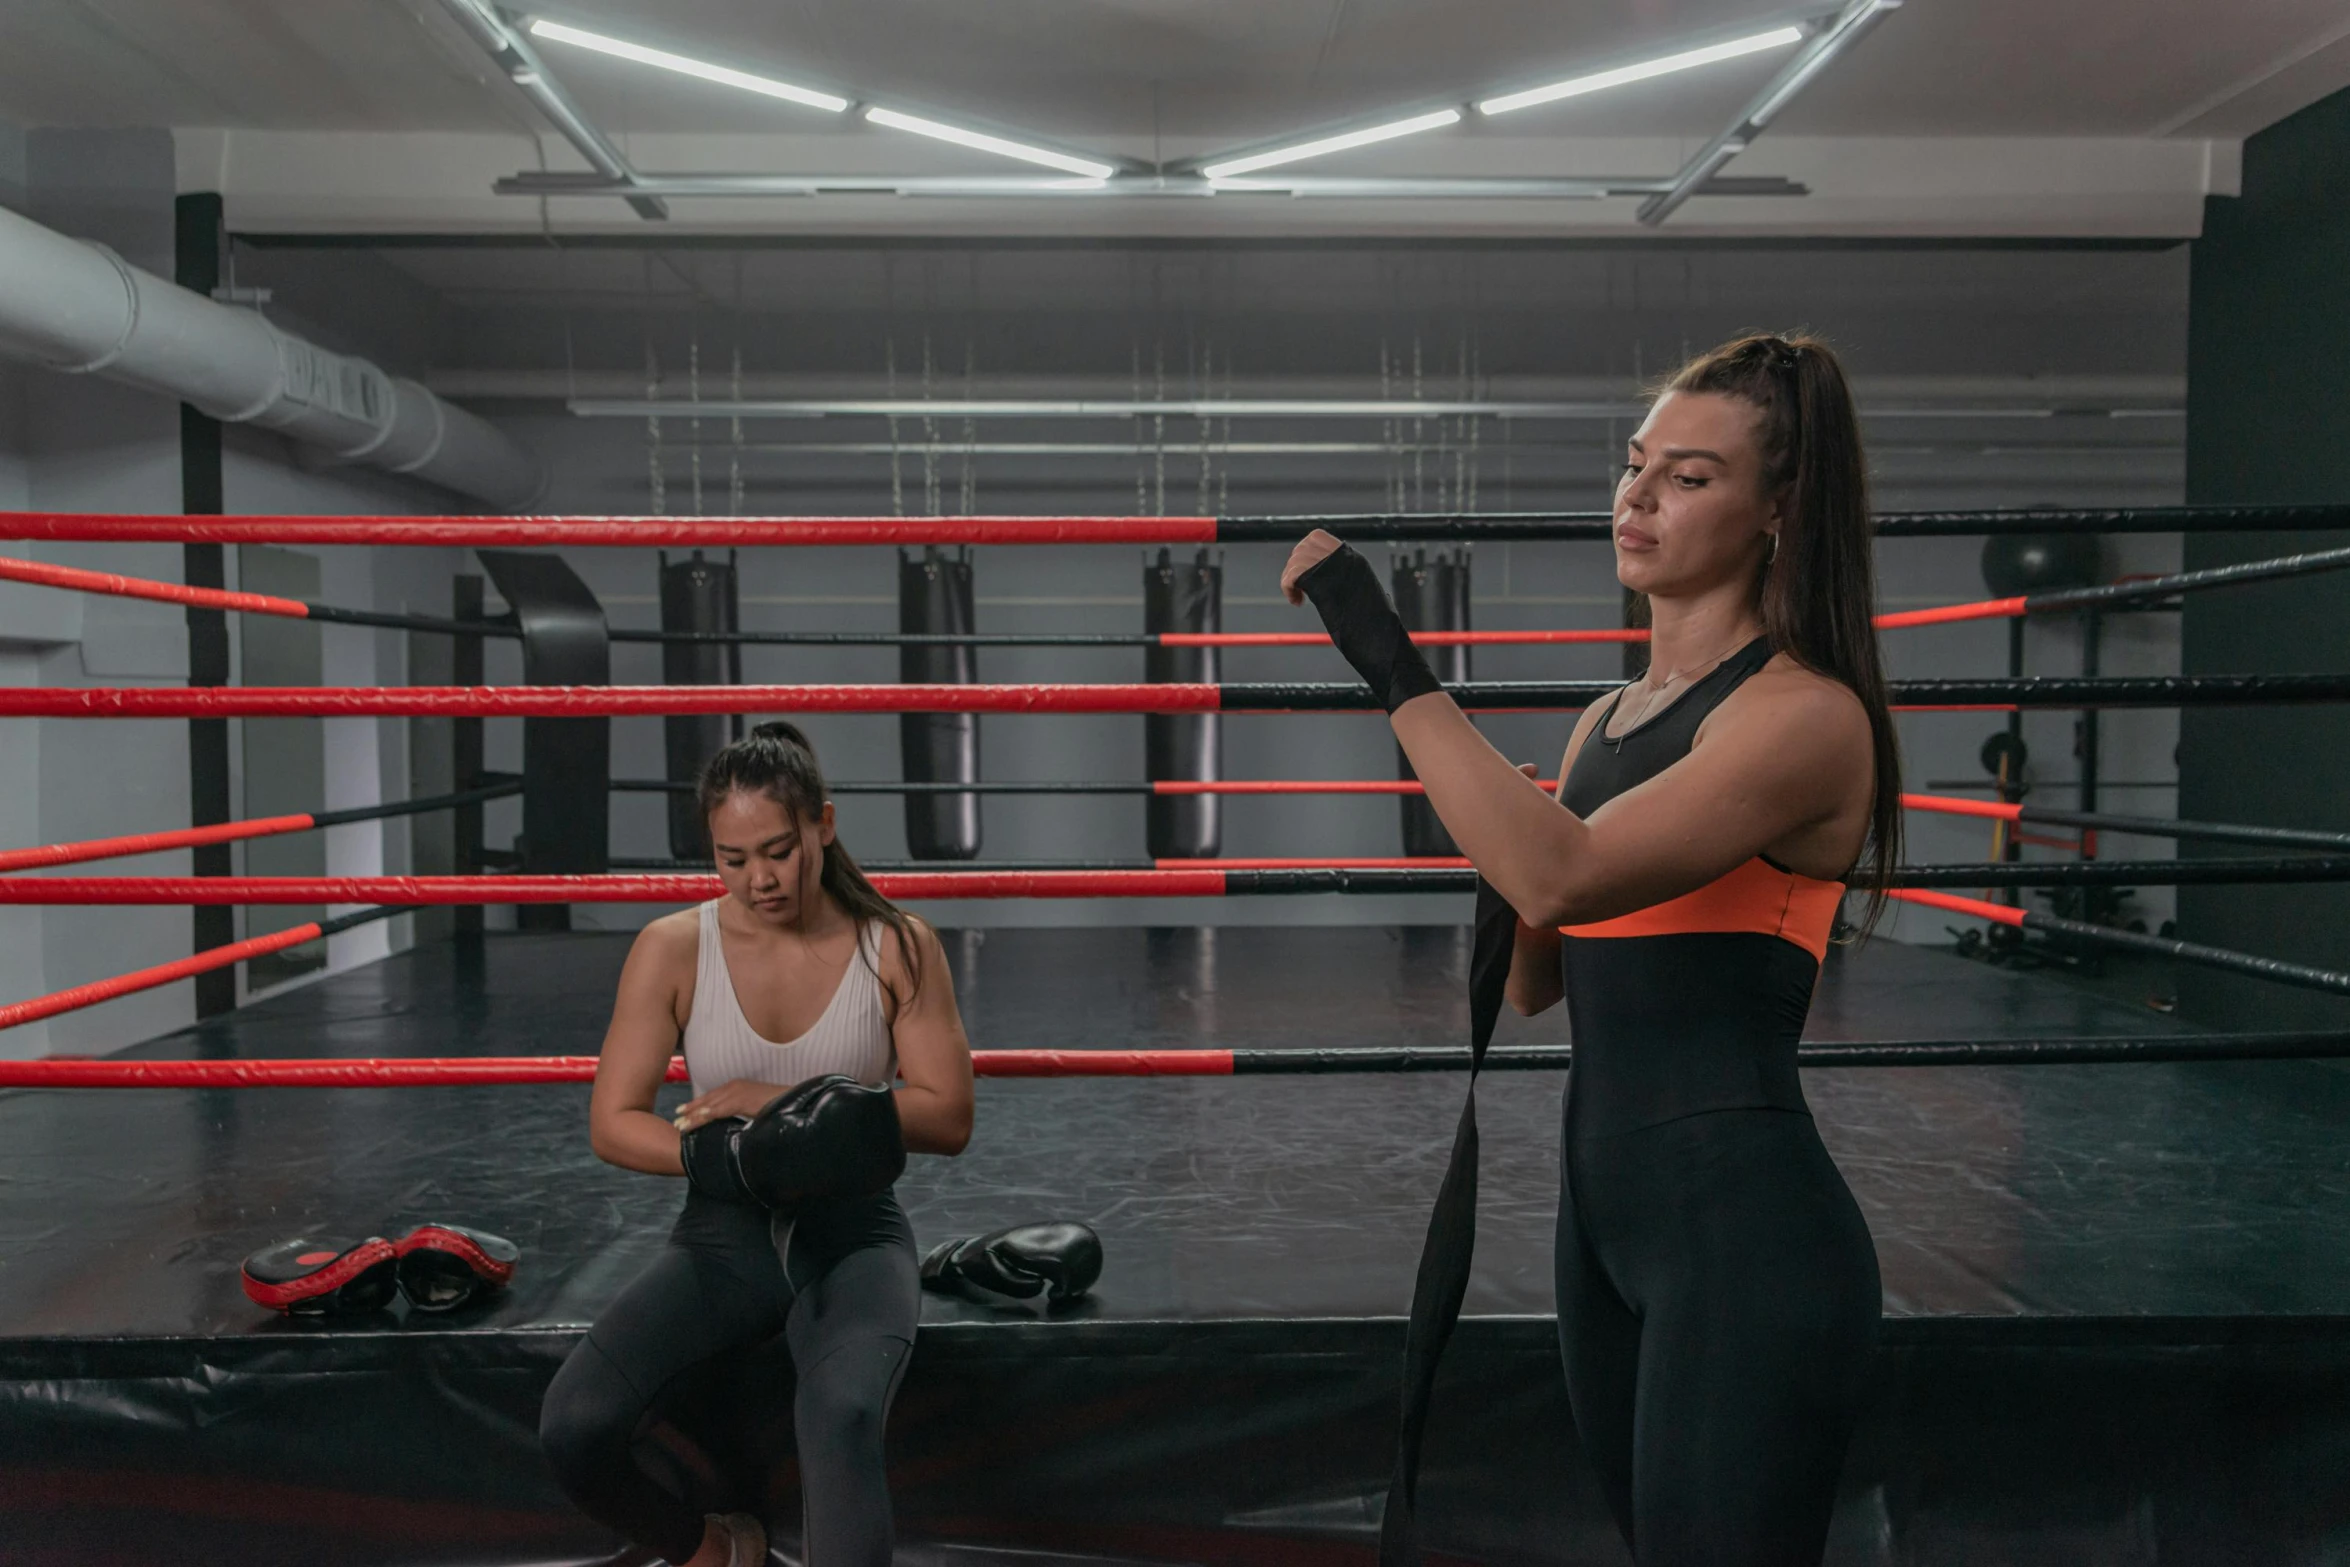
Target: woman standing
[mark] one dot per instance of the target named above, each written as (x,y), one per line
(1717,1288)
(802,971)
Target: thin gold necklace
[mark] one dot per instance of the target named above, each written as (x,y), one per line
(1657,694)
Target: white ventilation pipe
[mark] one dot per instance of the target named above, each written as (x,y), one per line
(75,306)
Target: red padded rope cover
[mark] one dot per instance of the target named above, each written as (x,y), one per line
(1996,810)
(462,1071)
(151,842)
(148,978)
(591,701)
(642,532)
(1422,638)
(1996,913)
(46,575)
(1944,614)
(427,890)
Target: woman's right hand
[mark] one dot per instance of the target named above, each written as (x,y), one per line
(744,1097)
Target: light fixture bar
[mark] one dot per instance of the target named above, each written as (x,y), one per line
(1125,187)
(512,53)
(1257,408)
(1663,65)
(662,59)
(1329,144)
(897,121)
(1840,34)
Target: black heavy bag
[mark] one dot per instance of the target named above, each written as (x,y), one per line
(934,598)
(702,597)
(1443,1279)
(1432,595)
(1187,746)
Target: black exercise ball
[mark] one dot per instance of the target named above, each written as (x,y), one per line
(2016,563)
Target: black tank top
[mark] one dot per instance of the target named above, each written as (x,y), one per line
(1696,1003)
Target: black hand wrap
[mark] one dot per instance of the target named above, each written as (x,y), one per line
(1366,629)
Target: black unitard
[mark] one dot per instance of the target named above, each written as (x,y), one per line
(839,1283)
(1717,1289)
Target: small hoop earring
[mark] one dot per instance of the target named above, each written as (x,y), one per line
(1773,556)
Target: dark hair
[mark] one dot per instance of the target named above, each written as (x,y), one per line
(1818,589)
(776,760)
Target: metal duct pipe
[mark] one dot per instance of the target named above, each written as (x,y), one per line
(74,306)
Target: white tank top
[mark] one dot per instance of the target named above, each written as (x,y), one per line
(851,1038)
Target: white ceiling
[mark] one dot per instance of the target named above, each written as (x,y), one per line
(1182,76)
(1196,68)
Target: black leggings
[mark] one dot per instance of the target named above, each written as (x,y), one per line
(1717,1298)
(842,1288)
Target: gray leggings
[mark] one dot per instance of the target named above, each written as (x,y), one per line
(842,1288)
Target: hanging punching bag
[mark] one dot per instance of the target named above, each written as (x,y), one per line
(1432,595)
(934,598)
(699,596)
(1185,746)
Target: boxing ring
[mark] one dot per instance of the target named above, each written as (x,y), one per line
(2115,1247)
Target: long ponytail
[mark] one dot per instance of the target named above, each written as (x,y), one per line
(1818,592)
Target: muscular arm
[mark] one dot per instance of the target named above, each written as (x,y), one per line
(1535,984)
(623,1127)
(1783,766)
(934,1057)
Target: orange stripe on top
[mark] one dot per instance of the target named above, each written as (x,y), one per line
(1757,898)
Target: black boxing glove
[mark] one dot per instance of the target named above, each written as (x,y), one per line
(830,1136)
(1365,628)
(1060,1260)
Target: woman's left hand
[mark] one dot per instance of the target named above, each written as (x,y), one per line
(741,1097)
(1311,551)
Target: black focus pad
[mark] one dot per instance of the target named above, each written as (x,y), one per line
(445,1266)
(1060,1259)
(830,1136)
(323,1278)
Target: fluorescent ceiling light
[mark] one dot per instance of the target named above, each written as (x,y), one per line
(986,143)
(1315,149)
(663,60)
(1665,65)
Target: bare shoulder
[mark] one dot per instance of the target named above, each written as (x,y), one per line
(668,946)
(910,960)
(1787,699)
(903,952)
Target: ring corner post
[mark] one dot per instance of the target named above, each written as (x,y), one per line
(199,234)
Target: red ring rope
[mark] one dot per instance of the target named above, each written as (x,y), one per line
(90,995)
(151,842)
(44,574)
(468,1071)
(644,532)
(593,701)
(75,579)
(434,890)
(633,701)
(1951,902)
(1948,805)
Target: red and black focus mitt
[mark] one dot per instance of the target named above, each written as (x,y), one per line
(437,1267)
(324,1278)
